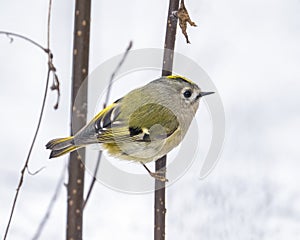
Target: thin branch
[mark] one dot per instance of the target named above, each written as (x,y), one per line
(51,204)
(55,86)
(55,82)
(10,34)
(48,25)
(28,156)
(104,106)
(51,69)
(160,164)
(35,172)
(116,71)
(93,180)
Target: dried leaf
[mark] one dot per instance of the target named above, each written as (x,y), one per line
(184,18)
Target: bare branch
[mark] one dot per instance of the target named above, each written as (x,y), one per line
(51,69)
(160,164)
(10,35)
(28,156)
(116,71)
(55,82)
(93,180)
(104,106)
(51,204)
(48,24)
(35,172)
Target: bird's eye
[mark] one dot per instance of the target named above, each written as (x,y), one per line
(187,93)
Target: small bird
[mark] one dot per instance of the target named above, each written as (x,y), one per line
(142,126)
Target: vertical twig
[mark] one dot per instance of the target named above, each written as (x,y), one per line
(93,180)
(51,69)
(80,71)
(159,197)
(50,206)
(104,106)
(28,157)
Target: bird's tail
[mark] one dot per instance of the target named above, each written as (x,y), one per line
(61,146)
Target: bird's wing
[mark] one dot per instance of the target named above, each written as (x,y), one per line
(145,124)
(107,118)
(107,126)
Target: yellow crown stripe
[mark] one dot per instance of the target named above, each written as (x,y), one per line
(178,77)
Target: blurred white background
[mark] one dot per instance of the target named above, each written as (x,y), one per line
(251,51)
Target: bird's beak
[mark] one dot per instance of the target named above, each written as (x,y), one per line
(204,94)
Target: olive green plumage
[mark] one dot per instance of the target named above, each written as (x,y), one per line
(143,126)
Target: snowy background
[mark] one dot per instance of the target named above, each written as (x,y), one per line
(251,51)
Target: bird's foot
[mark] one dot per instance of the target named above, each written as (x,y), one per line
(159,175)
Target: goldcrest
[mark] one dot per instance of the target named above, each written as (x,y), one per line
(142,126)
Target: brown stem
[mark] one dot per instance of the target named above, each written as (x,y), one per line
(160,198)
(78,112)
